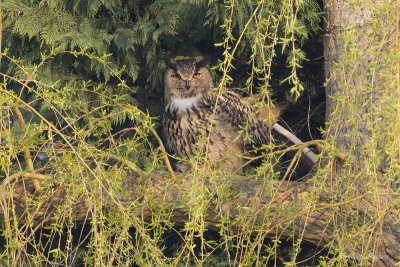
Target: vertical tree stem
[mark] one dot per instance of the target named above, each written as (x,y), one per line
(27,153)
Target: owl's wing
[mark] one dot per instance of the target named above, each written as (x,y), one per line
(231,109)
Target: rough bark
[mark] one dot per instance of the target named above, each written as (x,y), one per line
(245,192)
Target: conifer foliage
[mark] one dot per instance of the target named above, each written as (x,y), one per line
(134,36)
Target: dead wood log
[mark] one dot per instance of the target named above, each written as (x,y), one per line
(312,218)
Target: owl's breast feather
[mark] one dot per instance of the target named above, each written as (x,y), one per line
(183,104)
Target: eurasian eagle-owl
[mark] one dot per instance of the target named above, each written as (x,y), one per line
(198,120)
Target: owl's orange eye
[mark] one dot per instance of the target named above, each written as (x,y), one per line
(176,76)
(196,75)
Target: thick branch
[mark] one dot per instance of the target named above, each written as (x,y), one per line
(313,222)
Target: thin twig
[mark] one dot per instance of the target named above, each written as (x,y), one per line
(164,152)
(30,175)
(126,162)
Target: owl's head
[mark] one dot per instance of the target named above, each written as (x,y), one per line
(186,79)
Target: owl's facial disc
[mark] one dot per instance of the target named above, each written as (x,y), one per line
(185,80)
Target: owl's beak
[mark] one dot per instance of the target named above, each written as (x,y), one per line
(187,85)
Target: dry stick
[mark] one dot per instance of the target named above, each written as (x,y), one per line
(307,152)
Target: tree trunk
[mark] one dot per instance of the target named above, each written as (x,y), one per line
(360,36)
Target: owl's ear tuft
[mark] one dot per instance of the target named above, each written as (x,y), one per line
(203,63)
(170,63)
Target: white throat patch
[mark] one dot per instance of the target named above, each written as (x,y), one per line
(182,104)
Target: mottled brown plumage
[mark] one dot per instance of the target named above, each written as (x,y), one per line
(198,119)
